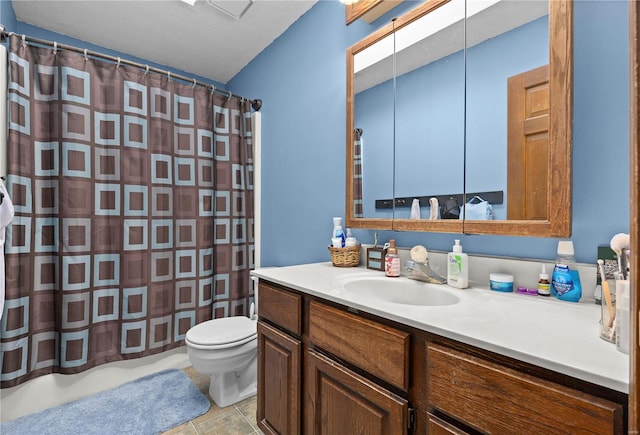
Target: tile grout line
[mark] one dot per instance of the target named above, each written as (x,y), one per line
(194,427)
(248,421)
(255,428)
(216,417)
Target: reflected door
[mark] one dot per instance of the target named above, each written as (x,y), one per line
(528,144)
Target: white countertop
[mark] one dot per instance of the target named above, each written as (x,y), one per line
(560,336)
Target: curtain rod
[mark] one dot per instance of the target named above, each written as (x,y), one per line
(256,104)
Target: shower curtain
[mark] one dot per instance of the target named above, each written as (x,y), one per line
(133,197)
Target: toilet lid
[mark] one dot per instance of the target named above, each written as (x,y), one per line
(222,331)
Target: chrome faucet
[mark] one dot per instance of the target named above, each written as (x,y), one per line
(423,272)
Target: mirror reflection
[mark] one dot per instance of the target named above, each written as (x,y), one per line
(424,102)
(457,99)
(507,99)
(430,110)
(374,126)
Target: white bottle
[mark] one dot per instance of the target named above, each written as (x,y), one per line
(337,231)
(458,267)
(337,223)
(622,316)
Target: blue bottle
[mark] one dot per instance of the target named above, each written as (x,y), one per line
(565,280)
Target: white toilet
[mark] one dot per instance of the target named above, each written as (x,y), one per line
(226,349)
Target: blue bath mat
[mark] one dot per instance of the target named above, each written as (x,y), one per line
(148,405)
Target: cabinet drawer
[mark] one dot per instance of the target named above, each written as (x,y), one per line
(371,346)
(437,426)
(500,400)
(280,307)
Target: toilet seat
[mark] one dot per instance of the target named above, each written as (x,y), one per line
(222,333)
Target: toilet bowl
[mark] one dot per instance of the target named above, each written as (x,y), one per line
(226,350)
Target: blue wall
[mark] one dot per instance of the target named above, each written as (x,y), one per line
(301,79)
(7,16)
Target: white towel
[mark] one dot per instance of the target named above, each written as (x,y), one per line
(415,209)
(434,211)
(6,215)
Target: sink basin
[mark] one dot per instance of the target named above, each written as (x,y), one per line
(395,291)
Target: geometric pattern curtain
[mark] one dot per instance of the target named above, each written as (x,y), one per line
(134,212)
(357,173)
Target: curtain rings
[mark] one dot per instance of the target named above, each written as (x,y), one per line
(146,70)
(55,48)
(86,56)
(213,89)
(169,75)
(194,83)
(118,64)
(24,40)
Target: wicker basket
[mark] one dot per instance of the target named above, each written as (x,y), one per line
(345,257)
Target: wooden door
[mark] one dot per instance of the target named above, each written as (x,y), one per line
(528,145)
(634,187)
(279,379)
(343,402)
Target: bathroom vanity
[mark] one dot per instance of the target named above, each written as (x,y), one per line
(334,360)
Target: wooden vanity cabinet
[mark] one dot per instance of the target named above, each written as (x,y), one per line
(349,367)
(339,400)
(327,369)
(279,361)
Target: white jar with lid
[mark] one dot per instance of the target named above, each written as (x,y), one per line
(501,282)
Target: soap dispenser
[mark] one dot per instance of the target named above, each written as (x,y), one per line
(457,267)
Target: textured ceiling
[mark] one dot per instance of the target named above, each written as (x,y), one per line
(198,39)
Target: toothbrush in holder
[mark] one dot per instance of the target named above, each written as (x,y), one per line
(606,292)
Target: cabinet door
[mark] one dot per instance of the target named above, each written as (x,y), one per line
(279,374)
(343,402)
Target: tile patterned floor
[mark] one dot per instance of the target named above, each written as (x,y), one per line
(238,419)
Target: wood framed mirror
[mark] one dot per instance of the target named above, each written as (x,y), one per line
(361,211)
